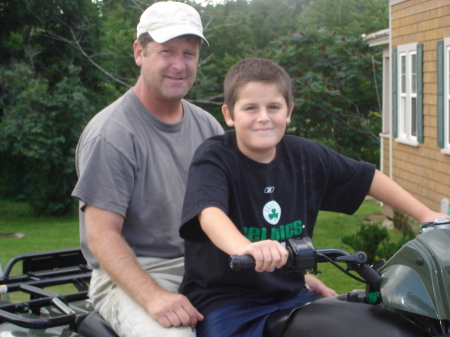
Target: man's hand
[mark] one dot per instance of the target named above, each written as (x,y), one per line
(318,286)
(171,309)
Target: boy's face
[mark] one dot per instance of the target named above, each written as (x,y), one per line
(260,118)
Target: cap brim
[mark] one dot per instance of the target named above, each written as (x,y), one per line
(165,34)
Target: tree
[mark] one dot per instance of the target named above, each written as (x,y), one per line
(350,18)
(61,61)
(48,91)
(38,134)
(238,29)
(335,81)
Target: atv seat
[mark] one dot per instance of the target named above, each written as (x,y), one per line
(277,322)
(94,326)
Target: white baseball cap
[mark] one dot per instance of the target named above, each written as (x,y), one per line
(166,20)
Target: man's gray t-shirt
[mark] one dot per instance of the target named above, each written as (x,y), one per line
(131,163)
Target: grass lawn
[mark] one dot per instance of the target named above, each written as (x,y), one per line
(41,233)
(47,233)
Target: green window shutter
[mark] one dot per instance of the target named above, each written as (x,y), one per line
(394,92)
(419,100)
(440,93)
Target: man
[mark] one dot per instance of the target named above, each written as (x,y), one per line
(132,162)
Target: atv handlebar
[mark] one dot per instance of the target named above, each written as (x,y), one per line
(440,223)
(304,257)
(240,262)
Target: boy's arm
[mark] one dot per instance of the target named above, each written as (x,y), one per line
(388,191)
(223,233)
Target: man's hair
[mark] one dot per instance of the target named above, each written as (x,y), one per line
(255,70)
(144,39)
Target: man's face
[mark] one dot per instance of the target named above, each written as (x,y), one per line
(169,69)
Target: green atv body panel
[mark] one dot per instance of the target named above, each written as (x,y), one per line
(417,278)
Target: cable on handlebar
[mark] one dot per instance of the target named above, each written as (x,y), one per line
(341,269)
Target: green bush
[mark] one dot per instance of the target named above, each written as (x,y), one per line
(367,239)
(374,240)
(388,248)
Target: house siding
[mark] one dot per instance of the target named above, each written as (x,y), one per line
(424,171)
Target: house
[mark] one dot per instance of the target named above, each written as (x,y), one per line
(415,138)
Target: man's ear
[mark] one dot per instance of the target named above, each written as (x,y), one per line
(288,119)
(227,115)
(138,52)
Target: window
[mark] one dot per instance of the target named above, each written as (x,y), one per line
(386,128)
(408,106)
(443,69)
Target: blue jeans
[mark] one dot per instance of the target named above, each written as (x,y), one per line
(246,317)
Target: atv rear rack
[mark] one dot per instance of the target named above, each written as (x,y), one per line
(39,271)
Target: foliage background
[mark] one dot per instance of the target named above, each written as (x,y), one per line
(62,61)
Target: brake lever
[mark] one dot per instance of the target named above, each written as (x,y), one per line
(357,258)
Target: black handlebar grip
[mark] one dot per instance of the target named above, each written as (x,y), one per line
(238,262)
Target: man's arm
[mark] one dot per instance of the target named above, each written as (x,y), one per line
(388,191)
(223,233)
(117,259)
(317,286)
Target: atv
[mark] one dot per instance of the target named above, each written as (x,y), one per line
(409,295)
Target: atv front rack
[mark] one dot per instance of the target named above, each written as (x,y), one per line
(39,271)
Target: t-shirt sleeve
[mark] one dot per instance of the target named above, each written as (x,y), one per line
(106,177)
(348,183)
(207,186)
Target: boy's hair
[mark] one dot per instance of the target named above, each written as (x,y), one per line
(255,70)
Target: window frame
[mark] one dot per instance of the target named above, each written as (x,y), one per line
(407,94)
(446,119)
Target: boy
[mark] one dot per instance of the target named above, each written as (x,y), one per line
(253,188)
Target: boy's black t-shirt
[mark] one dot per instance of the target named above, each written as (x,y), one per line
(276,201)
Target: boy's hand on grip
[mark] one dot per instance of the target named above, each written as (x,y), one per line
(268,255)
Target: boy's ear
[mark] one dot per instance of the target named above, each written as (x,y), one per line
(227,115)
(288,119)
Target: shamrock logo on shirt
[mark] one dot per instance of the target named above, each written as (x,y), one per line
(274,214)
